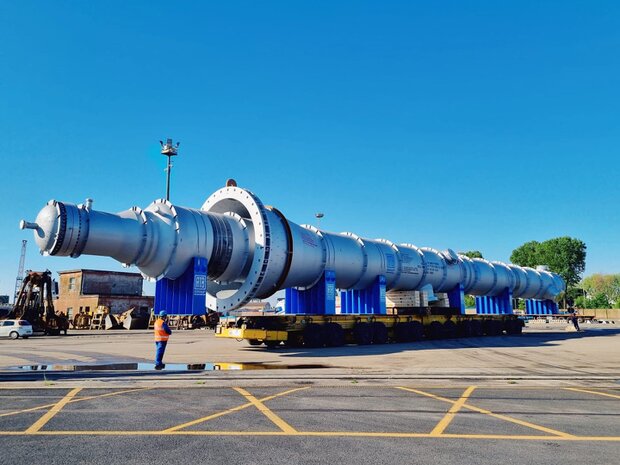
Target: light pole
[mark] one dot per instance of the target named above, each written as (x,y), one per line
(318,219)
(169,150)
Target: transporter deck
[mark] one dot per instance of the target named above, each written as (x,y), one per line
(336,330)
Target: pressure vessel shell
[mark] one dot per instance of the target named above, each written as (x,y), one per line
(454,271)
(309,257)
(535,284)
(505,279)
(435,268)
(411,268)
(485,277)
(468,271)
(345,257)
(254,250)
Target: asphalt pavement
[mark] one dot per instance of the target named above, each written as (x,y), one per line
(307,424)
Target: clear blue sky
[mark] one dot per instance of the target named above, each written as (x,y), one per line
(470,125)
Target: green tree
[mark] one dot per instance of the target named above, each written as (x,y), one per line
(605,284)
(527,254)
(472,254)
(598,301)
(565,256)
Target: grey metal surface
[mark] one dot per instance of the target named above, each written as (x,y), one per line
(253,251)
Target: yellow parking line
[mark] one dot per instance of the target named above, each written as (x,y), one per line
(594,392)
(284,426)
(79,399)
(226,412)
(321,434)
(40,423)
(445,421)
(494,415)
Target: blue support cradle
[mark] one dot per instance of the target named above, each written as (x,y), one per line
(500,304)
(185,295)
(365,301)
(456,297)
(320,299)
(541,307)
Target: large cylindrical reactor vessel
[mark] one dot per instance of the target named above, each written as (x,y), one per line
(254,250)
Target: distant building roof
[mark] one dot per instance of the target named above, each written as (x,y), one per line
(84,270)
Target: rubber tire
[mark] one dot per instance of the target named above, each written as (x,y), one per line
(272,344)
(417,330)
(25,337)
(403,331)
(492,327)
(477,329)
(378,332)
(254,342)
(14,335)
(334,335)
(294,340)
(434,330)
(466,328)
(514,327)
(449,329)
(314,336)
(362,334)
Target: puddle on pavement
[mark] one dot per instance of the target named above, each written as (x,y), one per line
(169,367)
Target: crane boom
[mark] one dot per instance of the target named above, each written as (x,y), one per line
(20,270)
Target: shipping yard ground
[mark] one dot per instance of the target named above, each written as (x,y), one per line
(549,396)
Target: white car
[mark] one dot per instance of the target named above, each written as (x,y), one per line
(15,329)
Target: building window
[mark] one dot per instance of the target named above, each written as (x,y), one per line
(72,284)
(69,312)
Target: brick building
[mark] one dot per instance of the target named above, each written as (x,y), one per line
(87,289)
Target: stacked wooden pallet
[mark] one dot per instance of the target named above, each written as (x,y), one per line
(442,301)
(406,299)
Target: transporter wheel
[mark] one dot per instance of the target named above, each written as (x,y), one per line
(520,324)
(334,335)
(434,330)
(476,328)
(466,328)
(295,340)
(314,336)
(378,332)
(362,334)
(514,327)
(492,327)
(450,329)
(254,342)
(272,344)
(403,332)
(417,330)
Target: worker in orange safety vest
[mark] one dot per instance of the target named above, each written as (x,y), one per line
(162,333)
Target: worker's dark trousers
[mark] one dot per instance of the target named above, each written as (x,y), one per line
(160,348)
(576,324)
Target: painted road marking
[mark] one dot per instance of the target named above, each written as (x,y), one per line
(40,423)
(78,399)
(494,415)
(262,408)
(226,412)
(288,430)
(318,433)
(445,421)
(594,392)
